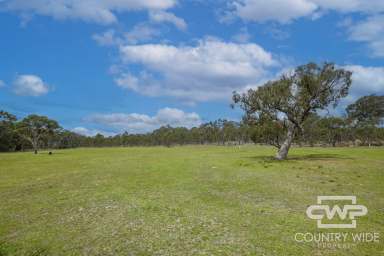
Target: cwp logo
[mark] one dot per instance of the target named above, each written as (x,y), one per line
(349,211)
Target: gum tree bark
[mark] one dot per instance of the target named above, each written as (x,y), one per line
(284,149)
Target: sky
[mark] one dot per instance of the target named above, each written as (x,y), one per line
(109,66)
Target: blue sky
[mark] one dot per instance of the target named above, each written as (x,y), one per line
(114,65)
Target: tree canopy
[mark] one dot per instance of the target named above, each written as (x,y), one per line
(291,99)
(7,131)
(368,110)
(34,128)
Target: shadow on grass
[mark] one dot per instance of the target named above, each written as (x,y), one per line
(47,153)
(319,157)
(292,158)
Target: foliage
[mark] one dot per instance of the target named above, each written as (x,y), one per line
(268,131)
(315,130)
(294,97)
(366,114)
(7,131)
(36,128)
(367,111)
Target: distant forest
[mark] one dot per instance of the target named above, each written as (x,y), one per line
(360,127)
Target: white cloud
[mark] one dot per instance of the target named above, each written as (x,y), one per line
(108,38)
(139,33)
(99,11)
(139,123)
(243,36)
(209,71)
(30,85)
(162,16)
(128,81)
(370,31)
(285,11)
(279,10)
(91,132)
(345,6)
(2,84)
(366,80)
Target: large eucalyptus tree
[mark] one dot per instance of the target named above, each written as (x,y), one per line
(290,100)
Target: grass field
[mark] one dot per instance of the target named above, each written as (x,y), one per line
(195,200)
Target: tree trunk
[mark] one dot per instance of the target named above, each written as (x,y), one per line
(35,145)
(283,151)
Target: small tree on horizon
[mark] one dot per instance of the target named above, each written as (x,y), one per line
(365,115)
(291,99)
(35,128)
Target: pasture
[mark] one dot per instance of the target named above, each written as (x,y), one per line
(192,200)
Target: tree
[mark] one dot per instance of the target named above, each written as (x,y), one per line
(333,128)
(35,128)
(367,110)
(365,115)
(67,139)
(7,131)
(312,131)
(294,97)
(99,140)
(268,131)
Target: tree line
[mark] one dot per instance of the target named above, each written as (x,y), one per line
(279,113)
(358,128)
(285,109)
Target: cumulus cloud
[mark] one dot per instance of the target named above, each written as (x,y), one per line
(365,81)
(107,38)
(370,31)
(140,123)
(345,6)
(162,16)
(140,33)
(29,85)
(91,132)
(278,10)
(211,70)
(99,11)
(285,11)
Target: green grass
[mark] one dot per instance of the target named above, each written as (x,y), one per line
(181,201)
